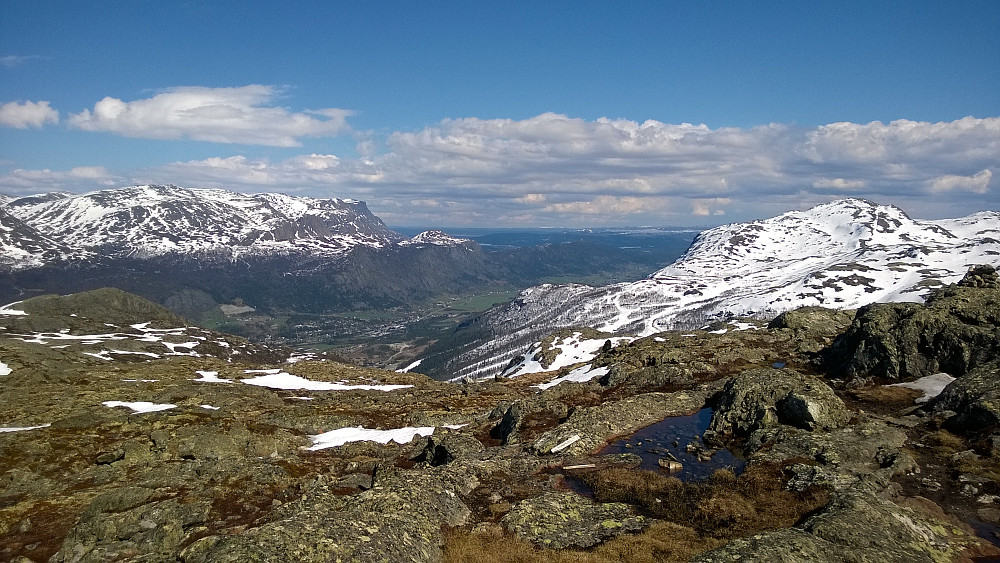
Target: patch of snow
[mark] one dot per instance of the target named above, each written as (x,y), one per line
(4,369)
(211,377)
(579,375)
(101,355)
(931,385)
(210,407)
(303,398)
(6,310)
(409,367)
(570,350)
(284,380)
(342,436)
(22,428)
(140,406)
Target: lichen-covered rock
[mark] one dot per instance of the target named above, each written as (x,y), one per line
(558,520)
(956,330)
(974,397)
(869,450)
(398,519)
(527,412)
(447,447)
(121,524)
(816,321)
(589,428)
(765,397)
(856,526)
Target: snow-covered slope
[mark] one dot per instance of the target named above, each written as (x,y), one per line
(147,221)
(842,255)
(22,246)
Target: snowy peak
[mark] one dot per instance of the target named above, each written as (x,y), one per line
(438,238)
(843,255)
(155,220)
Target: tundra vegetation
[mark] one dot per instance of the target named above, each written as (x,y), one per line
(130,435)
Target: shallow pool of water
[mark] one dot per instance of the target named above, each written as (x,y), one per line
(672,436)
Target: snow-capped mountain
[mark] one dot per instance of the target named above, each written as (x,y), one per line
(22,246)
(150,221)
(841,255)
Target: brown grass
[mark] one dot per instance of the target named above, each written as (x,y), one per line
(662,541)
(692,517)
(724,507)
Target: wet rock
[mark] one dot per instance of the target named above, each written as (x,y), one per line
(955,331)
(558,520)
(765,397)
(589,428)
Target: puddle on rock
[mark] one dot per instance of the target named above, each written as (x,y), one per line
(678,437)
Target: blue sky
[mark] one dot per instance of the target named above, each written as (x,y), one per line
(512,114)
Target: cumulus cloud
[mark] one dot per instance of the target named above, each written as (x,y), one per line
(555,169)
(243,115)
(977,183)
(27,114)
(80,179)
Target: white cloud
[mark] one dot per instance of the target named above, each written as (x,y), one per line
(79,179)
(27,114)
(11,61)
(557,170)
(220,115)
(977,183)
(838,184)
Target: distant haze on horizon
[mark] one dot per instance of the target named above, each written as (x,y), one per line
(564,114)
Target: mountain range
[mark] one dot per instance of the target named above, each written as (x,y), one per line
(841,255)
(272,251)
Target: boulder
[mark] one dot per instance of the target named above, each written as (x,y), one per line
(974,397)
(764,397)
(531,412)
(558,520)
(956,330)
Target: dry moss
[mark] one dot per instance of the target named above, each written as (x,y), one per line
(660,542)
(724,507)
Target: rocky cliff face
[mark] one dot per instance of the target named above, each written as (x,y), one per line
(126,436)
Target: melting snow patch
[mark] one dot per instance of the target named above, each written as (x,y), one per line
(284,380)
(409,367)
(579,375)
(20,428)
(210,407)
(342,436)
(931,385)
(140,406)
(211,377)
(302,398)
(4,369)
(6,310)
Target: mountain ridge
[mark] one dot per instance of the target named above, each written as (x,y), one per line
(842,255)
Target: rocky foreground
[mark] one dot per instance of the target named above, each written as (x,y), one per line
(126,435)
